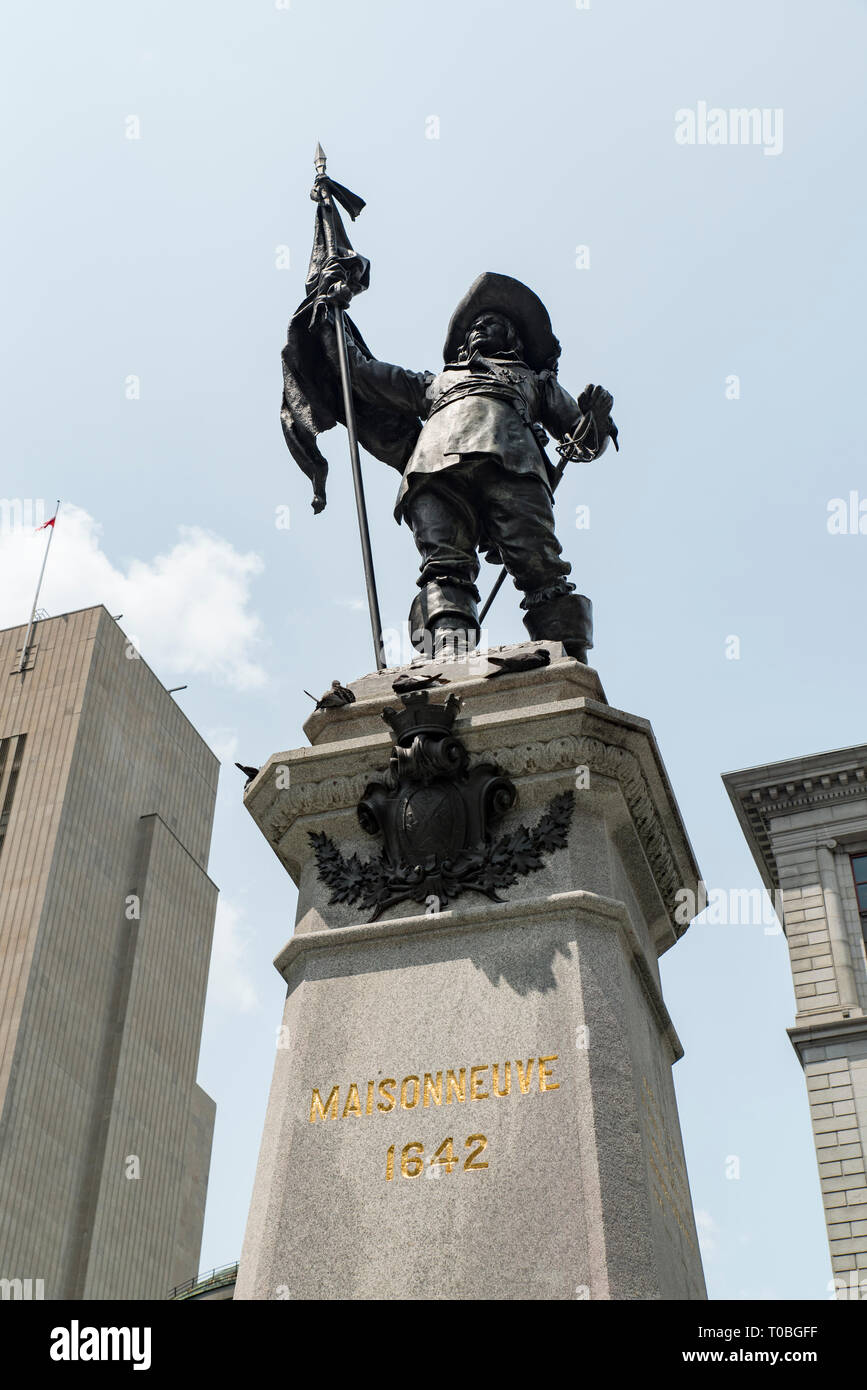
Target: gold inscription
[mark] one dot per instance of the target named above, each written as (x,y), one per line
(412,1161)
(326,1110)
(429,1090)
(353,1104)
(386,1096)
(525,1080)
(458,1087)
(481,1144)
(545,1084)
(433,1090)
(445,1155)
(405,1085)
(475,1083)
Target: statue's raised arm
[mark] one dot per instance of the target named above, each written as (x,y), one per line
(312,398)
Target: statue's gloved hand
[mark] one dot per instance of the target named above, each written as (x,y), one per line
(333,288)
(598,403)
(338,292)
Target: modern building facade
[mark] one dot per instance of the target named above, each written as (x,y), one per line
(107,797)
(806,823)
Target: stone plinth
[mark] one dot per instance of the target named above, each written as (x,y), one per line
(477,1102)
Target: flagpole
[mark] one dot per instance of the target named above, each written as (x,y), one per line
(349,412)
(38,587)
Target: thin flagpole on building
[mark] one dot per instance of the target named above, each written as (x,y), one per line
(50,525)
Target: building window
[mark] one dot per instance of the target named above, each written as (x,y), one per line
(11,753)
(859,869)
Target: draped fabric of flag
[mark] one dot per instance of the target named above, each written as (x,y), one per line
(312,399)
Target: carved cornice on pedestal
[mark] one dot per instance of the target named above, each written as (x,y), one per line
(314,796)
(607,760)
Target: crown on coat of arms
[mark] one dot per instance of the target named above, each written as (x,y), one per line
(419,716)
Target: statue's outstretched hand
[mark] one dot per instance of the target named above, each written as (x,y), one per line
(598,403)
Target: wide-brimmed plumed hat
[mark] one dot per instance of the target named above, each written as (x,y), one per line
(506,296)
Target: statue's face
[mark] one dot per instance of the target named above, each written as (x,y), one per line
(490,333)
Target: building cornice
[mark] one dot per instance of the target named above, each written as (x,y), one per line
(760,794)
(847,1035)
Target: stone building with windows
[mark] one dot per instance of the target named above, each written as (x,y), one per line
(107,797)
(805,821)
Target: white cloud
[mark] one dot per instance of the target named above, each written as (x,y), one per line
(229,984)
(187,610)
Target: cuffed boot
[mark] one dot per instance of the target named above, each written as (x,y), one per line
(568,618)
(444,619)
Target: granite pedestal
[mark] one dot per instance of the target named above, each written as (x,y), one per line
(477,1102)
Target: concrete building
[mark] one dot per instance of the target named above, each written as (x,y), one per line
(806,823)
(107,797)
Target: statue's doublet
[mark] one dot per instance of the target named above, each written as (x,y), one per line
(483,408)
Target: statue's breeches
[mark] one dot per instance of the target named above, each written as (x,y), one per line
(478,503)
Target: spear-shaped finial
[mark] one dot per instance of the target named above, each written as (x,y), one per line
(319,159)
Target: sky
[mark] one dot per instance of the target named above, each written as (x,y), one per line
(156,163)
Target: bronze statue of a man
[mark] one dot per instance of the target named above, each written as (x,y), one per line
(468,441)
(478,476)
